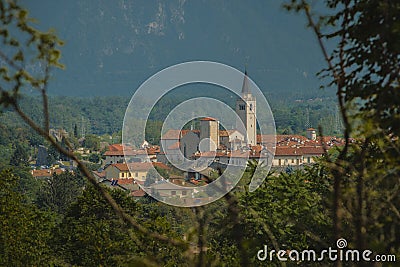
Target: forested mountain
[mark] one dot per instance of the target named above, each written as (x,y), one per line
(104,115)
(111,47)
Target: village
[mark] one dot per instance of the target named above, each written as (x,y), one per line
(131,169)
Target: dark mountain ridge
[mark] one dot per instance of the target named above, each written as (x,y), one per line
(111,47)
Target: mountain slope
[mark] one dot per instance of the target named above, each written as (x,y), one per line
(113,46)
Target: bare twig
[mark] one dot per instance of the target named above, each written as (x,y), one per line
(201,235)
(339,78)
(45,99)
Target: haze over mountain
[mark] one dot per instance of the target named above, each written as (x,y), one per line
(111,47)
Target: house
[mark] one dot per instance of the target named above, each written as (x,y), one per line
(297,155)
(232,139)
(134,170)
(122,184)
(46,173)
(117,153)
(138,193)
(167,189)
(237,158)
(310,153)
(118,171)
(176,145)
(287,156)
(169,145)
(99,175)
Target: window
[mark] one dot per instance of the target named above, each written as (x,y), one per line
(251,106)
(136,174)
(242,107)
(308,160)
(280,163)
(122,174)
(173,193)
(129,174)
(184,193)
(292,160)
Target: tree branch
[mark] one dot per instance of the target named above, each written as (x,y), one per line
(117,209)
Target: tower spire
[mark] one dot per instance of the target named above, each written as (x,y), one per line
(245,86)
(246,110)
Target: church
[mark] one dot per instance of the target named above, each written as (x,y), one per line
(184,144)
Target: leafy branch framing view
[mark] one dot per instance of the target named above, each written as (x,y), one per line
(353,193)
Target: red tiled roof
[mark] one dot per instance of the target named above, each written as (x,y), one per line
(301,150)
(138,193)
(127,152)
(208,119)
(113,153)
(139,166)
(124,181)
(266,138)
(160,165)
(184,132)
(223,133)
(115,147)
(332,140)
(100,174)
(120,166)
(290,137)
(171,134)
(239,154)
(209,154)
(312,150)
(46,172)
(287,151)
(232,131)
(153,150)
(174,146)
(177,134)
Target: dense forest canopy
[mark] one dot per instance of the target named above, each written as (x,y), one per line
(104,115)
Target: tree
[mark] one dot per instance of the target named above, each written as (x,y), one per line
(24,46)
(91,234)
(53,155)
(94,157)
(365,69)
(59,192)
(25,230)
(75,131)
(92,142)
(20,156)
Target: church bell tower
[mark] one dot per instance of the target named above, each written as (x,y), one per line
(246,110)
